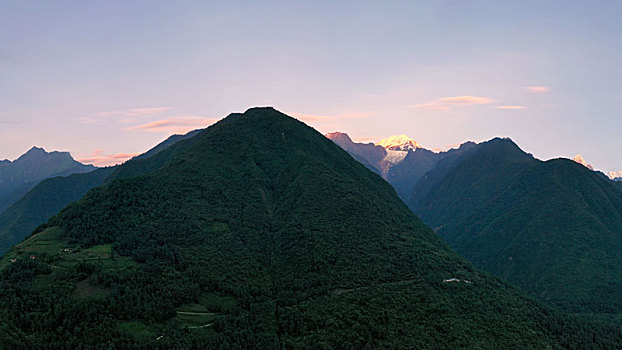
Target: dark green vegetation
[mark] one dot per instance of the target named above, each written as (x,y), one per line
(261,234)
(19,176)
(553,228)
(51,195)
(405,175)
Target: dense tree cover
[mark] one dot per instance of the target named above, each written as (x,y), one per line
(553,228)
(45,200)
(52,195)
(281,240)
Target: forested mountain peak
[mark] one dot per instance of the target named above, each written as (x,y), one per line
(283,241)
(552,227)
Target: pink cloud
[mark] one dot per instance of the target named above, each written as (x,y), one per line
(579,159)
(510,107)
(99,158)
(538,89)
(613,174)
(446,103)
(178,124)
(134,112)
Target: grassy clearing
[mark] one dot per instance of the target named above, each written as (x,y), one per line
(101,251)
(137,329)
(52,247)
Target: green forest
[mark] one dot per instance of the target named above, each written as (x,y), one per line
(552,228)
(260,234)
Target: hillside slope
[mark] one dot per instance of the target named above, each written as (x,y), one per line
(19,176)
(261,235)
(51,195)
(553,228)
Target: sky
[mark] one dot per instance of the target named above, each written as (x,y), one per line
(109,79)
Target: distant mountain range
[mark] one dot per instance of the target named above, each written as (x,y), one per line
(19,176)
(553,228)
(259,233)
(398,159)
(51,195)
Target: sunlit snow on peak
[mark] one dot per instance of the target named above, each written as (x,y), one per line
(398,143)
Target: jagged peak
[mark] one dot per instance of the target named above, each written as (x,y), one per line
(339,136)
(35,149)
(398,143)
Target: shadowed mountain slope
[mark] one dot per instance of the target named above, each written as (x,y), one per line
(262,234)
(53,194)
(19,176)
(553,228)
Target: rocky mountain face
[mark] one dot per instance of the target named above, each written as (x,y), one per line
(398,159)
(19,176)
(370,155)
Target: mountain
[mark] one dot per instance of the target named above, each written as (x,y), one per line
(398,143)
(168,142)
(553,228)
(379,157)
(405,175)
(262,234)
(19,176)
(53,194)
(398,159)
(368,154)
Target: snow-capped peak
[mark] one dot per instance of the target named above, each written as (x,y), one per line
(398,143)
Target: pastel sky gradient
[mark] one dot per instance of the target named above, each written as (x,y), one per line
(109,79)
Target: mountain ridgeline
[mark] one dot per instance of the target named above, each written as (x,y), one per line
(19,176)
(262,234)
(398,159)
(53,194)
(553,228)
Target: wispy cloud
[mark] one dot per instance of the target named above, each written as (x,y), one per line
(176,124)
(614,174)
(99,158)
(134,112)
(510,107)
(86,120)
(579,159)
(446,103)
(538,89)
(310,118)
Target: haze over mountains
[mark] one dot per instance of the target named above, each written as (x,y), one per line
(53,194)
(283,241)
(553,228)
(398,159)
(19,176)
